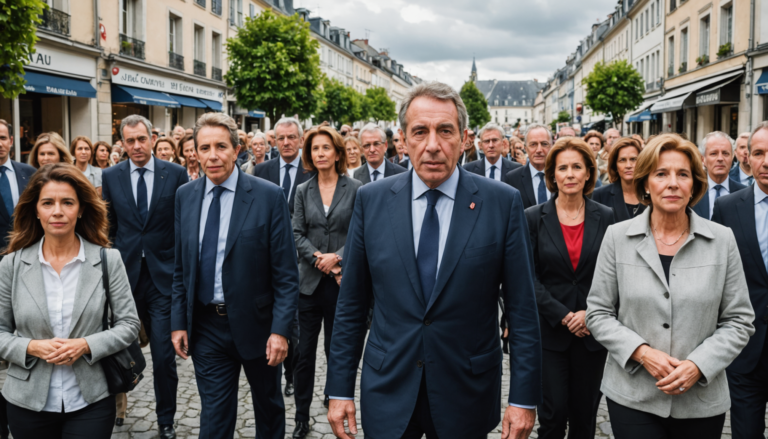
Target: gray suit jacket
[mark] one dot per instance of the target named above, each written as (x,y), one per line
(362,174)
(313,231)
(24,308)
(703,314)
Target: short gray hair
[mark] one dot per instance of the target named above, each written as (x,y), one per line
(290,121)
(715,135)
(763,126)
(435,90)
(490,126)
(371,127)
(537,126)
(218,120)
(132,121)
(260,135)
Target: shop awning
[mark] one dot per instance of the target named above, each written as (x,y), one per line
(213,105)
(674,99)
(186,101)
(58,85)
(257,114)
(644,106)
(728,92)
(122,94)
(762,83)
(642,117)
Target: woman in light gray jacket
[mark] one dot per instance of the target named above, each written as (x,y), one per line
(51,307)
(669,301)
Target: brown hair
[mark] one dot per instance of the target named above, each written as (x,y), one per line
(648,161)
(180,147)
(96,146)
(593,133)
(338,145)
(168,140)
(73,145)
(92,224)
(57,142)
(613,157)
(575,144)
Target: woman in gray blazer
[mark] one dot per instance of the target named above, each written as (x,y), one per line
(669,301)
(321,216)
(51,307)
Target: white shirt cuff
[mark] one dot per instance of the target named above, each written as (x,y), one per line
(529,407)
(342,398)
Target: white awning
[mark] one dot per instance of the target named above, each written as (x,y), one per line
(673,100)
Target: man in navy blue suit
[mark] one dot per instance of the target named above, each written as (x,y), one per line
(228,313)
(433,359)
(140,193)
(746,213)
(717,150)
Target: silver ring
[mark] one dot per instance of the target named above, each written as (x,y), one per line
(682,389)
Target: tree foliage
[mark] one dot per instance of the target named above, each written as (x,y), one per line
(477,106)
(380,106)
(614,89)
(562,117)
(274,65)
(341,104)
(18,28)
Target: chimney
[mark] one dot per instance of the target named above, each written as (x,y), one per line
(535,80)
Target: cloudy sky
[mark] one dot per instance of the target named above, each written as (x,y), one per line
(436,39)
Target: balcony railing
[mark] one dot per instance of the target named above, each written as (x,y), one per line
(55,20)
(200,2)
(175,60)
(199,68)
(650,86)
(131,47)
(216,73)
(670,72)
(216,6)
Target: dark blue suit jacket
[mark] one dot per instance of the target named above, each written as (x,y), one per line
(261,297)
(702,207)
(453,339)
(270,171)
(126,231)
(478,167)
(23,173)
(734,174)
(737,211)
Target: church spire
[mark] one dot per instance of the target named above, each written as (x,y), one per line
(473,75)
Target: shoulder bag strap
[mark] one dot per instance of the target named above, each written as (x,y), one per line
(105,281)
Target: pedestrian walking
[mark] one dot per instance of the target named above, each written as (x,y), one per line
(493,165)
(258,152)
(81,149)
(52,302)
(189,153)
(684,311)
(717,150)
(620,194)
(373,140)
(165,149)
(529,180)
(49,148)
(354,155)
(101,156)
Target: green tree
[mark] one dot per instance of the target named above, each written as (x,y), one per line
(614,89)
(18,27)
(477,106)
(380,106)
(562,117)
(335,102)
(274,66)
(361,109)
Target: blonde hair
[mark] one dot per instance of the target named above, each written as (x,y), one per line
(57,142)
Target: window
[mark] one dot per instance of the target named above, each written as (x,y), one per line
(637,28)
(232,12)
(658,12)
(199,43)
(653,16)
(174,34)
(672,5)
(216,50)
(671,52)
(216,6)
(239,12)
(726,24)
(626,41)
(127,17)
(652,71)
(252,10)
(704,36)
(684,48)
(642,69)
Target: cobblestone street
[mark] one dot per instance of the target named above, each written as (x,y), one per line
(140,422)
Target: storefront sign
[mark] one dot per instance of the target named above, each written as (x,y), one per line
(709,98)
(126,76)
(55,60)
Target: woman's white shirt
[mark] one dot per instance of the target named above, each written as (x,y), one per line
(63,392)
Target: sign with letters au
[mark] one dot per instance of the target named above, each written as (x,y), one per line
(150,81)
(53,60)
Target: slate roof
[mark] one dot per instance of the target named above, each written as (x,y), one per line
(510,93)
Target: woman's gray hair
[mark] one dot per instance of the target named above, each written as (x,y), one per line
(712,135)
(218,120)
(369,128)
(132,121)
(260,135)
(435,90)
(536,126)
(290,121)
(490,126)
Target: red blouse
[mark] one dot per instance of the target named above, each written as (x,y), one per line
(574,237)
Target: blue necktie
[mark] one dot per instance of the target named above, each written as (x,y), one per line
(376,175)
(429,246)
(141,196)
(287,180)
(717,188)
(750,180)
(5,191)
(209,248)
(493,172)
(542,188)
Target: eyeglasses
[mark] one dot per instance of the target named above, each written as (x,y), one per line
(374,144)
(291,138)
(490,141)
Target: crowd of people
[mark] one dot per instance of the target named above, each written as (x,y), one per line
(603,265)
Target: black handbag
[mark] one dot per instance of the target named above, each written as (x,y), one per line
(123,370)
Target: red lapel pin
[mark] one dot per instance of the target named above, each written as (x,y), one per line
(472,206)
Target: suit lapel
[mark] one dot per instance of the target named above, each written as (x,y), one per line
(194,236)
(365,175)
(21,179)
(90,277)
(619,207)
(125,182)
(702,207)
(240,207)
(317,198)
(400,213)
(552,224)
(746,210)
(591,225)
(32,277)
(528,185)
(464,218)
(274,172)
(161,177)
(338,194)
(650,254)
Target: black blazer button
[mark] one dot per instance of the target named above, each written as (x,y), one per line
(427,322)
(666,295)
(419,364)
(665,325)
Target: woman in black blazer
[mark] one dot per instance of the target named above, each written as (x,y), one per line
(620,194)
(566,233)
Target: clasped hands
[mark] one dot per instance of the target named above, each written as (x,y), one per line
(575,321)
(674,377)
(329,263)
(59,351)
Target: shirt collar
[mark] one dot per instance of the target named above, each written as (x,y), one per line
(742,175)
(150,166)
(80,254)
(448,188)
(488,164)
(230,183)
(381,167)
(712,184)
(759,194)
(295,162)
(534,171)
(8,164)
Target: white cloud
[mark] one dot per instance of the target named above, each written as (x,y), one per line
(416,14)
